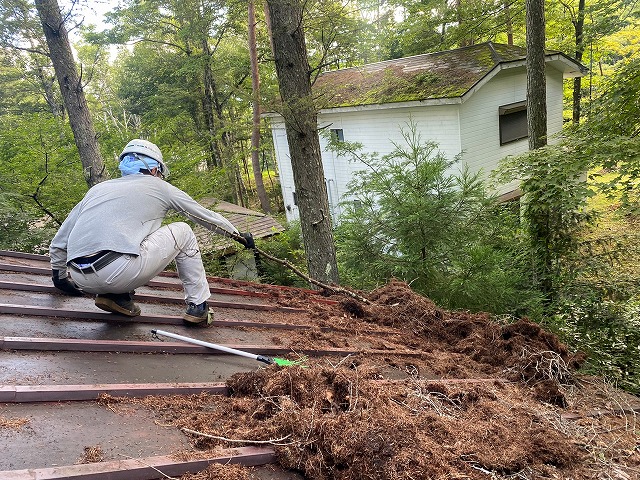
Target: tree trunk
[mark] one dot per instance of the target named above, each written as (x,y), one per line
(255,131)
(215,155)
(578,25)
(267,21)
(539,227)
(72,91)
(536,77)
(300,117)
(508,22)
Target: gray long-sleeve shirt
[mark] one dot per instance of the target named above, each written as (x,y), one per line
(118,215)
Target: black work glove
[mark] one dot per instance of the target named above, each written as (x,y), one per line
(247,240)
(64,284)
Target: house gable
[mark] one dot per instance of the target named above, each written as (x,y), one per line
(456,102)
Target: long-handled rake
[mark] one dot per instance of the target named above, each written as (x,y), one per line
(261,358)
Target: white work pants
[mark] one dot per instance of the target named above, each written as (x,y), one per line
(174,241)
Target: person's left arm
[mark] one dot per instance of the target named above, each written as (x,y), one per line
(184,204)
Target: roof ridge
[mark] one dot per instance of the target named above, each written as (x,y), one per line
(497,58)
(430,54)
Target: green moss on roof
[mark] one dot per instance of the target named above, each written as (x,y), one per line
(446,74)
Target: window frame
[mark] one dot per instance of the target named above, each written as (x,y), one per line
(510,115)
(337,134)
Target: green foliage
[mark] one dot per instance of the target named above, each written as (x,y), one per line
(154,85)
(607,331)
(610,137)
(584,248)
(20,229)
(555,194)
(416,220)
(40,177)
(435,25)
(338,34)
(38,160)
(419,32)
(187,163)
(595,311)
(287,246)
(19,76)
(616,110)
(214,265)
(601,18)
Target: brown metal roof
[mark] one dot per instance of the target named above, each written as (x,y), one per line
(56,348)
(58,353)
(27,293)
(144,468)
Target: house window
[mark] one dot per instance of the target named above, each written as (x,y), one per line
(337,134)
(513,122)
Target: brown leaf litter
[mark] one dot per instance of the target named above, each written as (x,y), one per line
(92,454)
(12,423)
(479,400)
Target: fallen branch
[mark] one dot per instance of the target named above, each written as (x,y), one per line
(271,442)
(330,288)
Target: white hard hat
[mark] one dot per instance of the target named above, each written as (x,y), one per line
(144,147)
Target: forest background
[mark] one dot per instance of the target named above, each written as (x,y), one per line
(180,74)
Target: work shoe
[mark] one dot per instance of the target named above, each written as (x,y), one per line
(197,314)
(118,303)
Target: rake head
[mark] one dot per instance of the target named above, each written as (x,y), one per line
(282,362)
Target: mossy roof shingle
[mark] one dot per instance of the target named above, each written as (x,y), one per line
(447,74)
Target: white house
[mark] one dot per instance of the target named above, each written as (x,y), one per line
(470,101)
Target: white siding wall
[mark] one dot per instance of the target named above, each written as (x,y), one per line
(480,134)
(377,130)
(555,99)
(285,171)
(470,127)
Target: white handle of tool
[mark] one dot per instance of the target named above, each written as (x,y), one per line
(206,344)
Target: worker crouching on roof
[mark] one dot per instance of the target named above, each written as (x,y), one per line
(113,241)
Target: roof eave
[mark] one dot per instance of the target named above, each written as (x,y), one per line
(489,75)
(385,106)
(569,67)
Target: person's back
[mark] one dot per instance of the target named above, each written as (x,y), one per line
(113,241)
(117,215)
